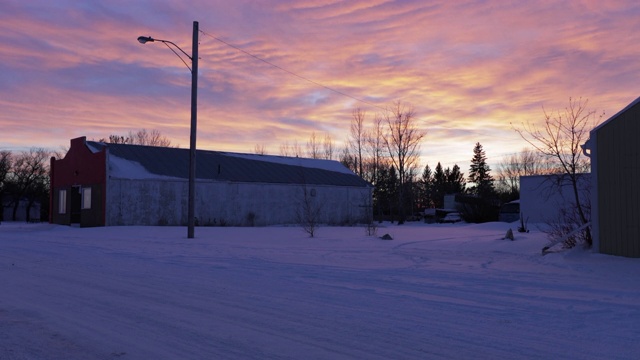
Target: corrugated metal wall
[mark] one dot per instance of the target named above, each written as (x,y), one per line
(164,202)
(618,169)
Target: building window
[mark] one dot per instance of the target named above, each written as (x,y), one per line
(86,198)
(62,201)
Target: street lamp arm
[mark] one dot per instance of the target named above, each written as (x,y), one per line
(178,55)
(146,39)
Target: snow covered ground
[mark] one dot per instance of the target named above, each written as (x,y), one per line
(437,291)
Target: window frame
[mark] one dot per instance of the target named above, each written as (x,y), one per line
(85,202)
(62,201)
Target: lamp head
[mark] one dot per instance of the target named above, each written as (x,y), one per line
(145,39)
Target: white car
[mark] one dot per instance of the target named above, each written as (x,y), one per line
(453,217)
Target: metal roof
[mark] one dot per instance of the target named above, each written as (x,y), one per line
(221,166)
(632,104)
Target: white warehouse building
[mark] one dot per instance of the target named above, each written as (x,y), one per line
(102,184)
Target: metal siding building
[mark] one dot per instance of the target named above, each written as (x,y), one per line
(145,185)
(544,197)
(615,167)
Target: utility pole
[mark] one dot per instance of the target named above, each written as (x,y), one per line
(192,140)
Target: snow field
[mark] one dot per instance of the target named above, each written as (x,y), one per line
(434,292)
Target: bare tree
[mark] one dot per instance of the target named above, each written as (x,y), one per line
(313,147)
(371,229)
(260,149)
(347,159)
(154,138)
(29,177)
(376,161)
(357,139)
(5,168)
(291,150)
(320,150)
(141,137)
(310,208)
(327,147)
(309,212)
(403,144)
(60,153)
(375,150)
(525,163)
(560,138)
(285,149)
(115,139)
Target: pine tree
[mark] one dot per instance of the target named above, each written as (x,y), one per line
(426,186)
(392,192)
(385,191)
(479,174)
(381,192)
(439,184)
(455,181)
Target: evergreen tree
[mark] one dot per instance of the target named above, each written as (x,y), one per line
(380,192)
(434,185)
(426,187)
(439,186)
(392,191)
(385,191)
(479,174)
(455,181)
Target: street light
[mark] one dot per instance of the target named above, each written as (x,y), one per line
(194,117)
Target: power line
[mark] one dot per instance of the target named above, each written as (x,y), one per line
(312,81)
(291,72)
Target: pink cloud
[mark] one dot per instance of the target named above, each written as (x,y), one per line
(469,69)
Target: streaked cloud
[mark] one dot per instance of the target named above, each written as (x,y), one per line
(469,69)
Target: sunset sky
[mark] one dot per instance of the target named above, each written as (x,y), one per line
(468,68)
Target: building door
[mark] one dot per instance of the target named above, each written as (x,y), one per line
(76,199)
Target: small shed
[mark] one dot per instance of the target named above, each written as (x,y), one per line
(543,198)
(103,184)
(615,169)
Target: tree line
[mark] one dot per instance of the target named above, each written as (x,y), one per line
(384,150)
(24,180)
(386,153)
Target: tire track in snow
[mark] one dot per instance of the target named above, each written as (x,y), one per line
(232,302)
